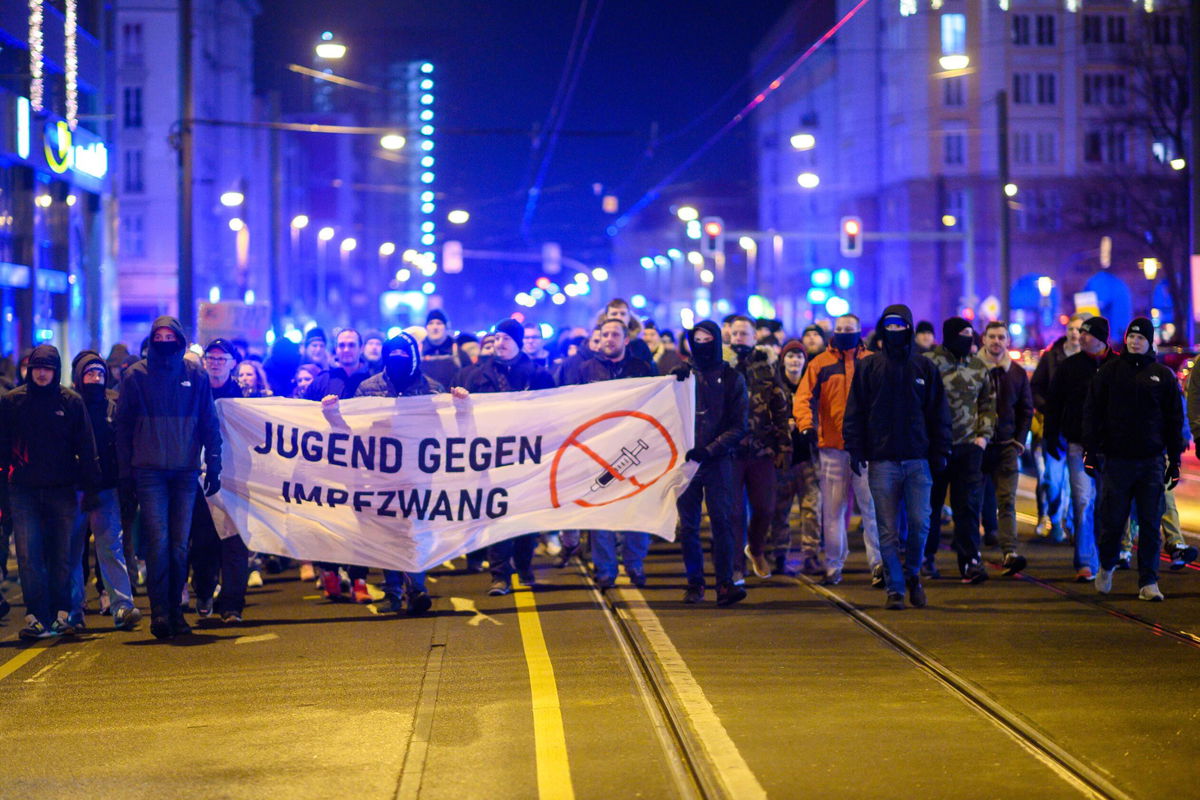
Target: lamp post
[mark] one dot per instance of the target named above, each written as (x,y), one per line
(323,237)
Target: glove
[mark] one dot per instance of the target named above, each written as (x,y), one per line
(697,454)
(1092,465)
(938,463)
(810,438)
(1171,476)
(857,464)
(212,483)
(89,501)
(682,372)
(1050,447)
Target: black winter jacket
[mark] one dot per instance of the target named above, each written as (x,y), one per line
(722,405)
(603,369)
(1068,393)
(438,361)
(338,382)
(897,407)
(1133,410)
(1014,402)
(495,375)
(165,414)
(227,390)
(1048,364)
(101,405)
(45,435)
(379,386)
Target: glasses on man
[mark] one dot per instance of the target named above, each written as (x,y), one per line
(218,359)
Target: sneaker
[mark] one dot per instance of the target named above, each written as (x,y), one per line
(1014,563)
(34,629)
(62,625)
(499,588)
(105,604)
(1057,534)
(929,569)
(1103,580)
(127,618)
(1180,557)
(916,592)
(637,577)
(528,578)
(1043,527)
(255,580)
(419,602)
(833,577)
(394,602)
(759,563)
(739,578)
(231,618)
(730,593)
(179,626)
(1125,560)
(811,565)
(990,539)
(360,592)
(974,573)
(160,628)
(307,572)
(877,579)
(1150,592)
(553,545)
(565,555)
(332,585)
(895,601)
(1084,575)
(204,608)
(693,594)
(606,582)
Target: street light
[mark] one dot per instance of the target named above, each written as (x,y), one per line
(1150,268)
(232,199)
(808,180)
(1010,189)
(955,62)
(1178,163)
(387,248)
(325,234)
(600,274)
(804,141)
(1045,285)
(300,222)
(458,216)
(392,141)
(687,214)
(328,49)
(348,244)
(236,225)
(949,220)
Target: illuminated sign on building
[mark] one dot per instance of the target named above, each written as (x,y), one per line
(22,127)
(78,152)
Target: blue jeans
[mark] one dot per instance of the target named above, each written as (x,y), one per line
(634,547)
(893,483)
(712,484)
(1052,478)
(400,583)
(1083,508)
(105,525)
(166,498)
(43,524)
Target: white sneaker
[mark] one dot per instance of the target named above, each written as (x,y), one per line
(1104,580)
(1150,592)
(1043,527)
(105,603)
(255,579)
(553,545)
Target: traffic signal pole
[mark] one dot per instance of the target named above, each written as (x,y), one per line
(186,300)
(1005,221)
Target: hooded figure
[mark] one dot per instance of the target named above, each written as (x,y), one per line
(401,375)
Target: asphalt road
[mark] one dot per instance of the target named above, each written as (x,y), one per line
(1019,687)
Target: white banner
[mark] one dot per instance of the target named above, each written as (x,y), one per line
(411,482)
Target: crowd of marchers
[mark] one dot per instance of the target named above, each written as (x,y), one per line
(104,483)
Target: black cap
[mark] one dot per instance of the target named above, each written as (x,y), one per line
(1143,326)
(437,314)
(1096,326)
(315,333)
(222,344)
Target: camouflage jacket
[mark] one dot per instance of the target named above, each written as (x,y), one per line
(769,411)
(969,393)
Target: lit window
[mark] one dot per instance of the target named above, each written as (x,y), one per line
(954,34)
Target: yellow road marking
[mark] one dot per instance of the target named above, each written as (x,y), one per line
(25,656)
(549,740)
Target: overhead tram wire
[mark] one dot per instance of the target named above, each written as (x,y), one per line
(535,189)
(652,194)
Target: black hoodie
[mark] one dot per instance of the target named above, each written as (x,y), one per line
(165,415)
(897,407)
(45,435)
(722,401)
(101,405)
(1133,410)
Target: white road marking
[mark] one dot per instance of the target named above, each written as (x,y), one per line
(263,637)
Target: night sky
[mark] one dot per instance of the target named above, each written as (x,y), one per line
(498,64)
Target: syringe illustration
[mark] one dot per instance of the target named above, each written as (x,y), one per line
(627,459)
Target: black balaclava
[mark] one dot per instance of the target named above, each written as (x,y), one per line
(44,355)
(952,338)
(896,344)
(166,354)
(845,342)
(94,394)
(706,355)
(400,361)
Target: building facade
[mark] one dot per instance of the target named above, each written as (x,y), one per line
(56,276)
(897,120)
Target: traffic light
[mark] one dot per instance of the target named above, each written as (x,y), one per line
(712,236)
(851,237)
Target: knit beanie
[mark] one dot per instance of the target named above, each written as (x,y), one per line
(1096,326)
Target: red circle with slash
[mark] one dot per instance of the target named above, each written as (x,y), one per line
(639,485)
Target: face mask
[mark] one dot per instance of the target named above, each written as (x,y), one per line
(165,349)
(706,354)
(845,341)
(399,369)
(896,342)
(742,350)
(92,392)
(959,345)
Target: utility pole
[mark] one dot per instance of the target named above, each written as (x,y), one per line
(1192,275)
(275,217)
(187,312)
(1005,229)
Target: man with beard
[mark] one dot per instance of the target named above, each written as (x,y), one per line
(509,370)
(46,441)
(372,351)
(438,359)
(348,372)
(165,421)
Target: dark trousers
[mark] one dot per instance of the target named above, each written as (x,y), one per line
(216,560)
(1127,482)
(753,481)
(964,478)
(166,498)
(43,529)
(712,486)
(515,554)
